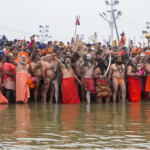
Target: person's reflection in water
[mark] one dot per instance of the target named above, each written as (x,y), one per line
(134,118)
(89,119)
(22,121)
(69,116)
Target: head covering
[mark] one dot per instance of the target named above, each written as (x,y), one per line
(42,46)
(43,51)
(23,53)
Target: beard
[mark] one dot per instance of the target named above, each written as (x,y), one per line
(23,62)
(68,65)
(119,62)
(89,59)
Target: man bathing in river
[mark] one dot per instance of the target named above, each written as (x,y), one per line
(49,74)
(117,74)
(22,76)
(36,68)
(69,90)
(59,76)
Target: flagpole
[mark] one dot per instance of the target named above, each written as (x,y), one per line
(75,31)
(77,23)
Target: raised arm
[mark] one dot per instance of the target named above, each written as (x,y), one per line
(34,48)
(137,57)
(13,61)
(52,49)
(60,63)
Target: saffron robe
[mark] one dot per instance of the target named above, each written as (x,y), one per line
(22,87)
(69,91)
(134,89)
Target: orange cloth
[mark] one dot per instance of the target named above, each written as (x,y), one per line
(43,51)
(119,80)
(23,53)
(147,86)
(22,87)
(69,91)
(134,89)
(3,100)
(147,53)
(31,84)
(48,51)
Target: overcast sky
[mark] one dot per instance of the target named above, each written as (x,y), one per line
(23,17)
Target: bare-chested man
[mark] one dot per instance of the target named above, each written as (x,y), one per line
(88,75)
(49,75)
(22,76)
(79,72)
(36,68)
(69,90)
(117,73)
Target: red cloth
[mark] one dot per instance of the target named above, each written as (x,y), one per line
(11,68)
(90,85)
(134,89)
(30,44)
(77,22)
(147,86)
(123,40)
(69,91)
(122,53)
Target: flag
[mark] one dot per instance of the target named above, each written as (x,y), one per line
(77,22)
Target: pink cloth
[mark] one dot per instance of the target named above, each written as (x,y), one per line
(33,79)
(140,71)
(30,44)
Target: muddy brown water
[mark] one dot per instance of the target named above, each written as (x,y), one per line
(105,126)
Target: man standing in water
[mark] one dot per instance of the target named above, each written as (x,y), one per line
(88,75)
(36,68)
(49,74)
(22,76)
(79,72)
(69,89)
(117,73)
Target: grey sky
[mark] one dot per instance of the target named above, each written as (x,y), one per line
(27,15)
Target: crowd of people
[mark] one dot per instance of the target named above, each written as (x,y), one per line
(74,73)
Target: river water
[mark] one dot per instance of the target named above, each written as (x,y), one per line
(105,126)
